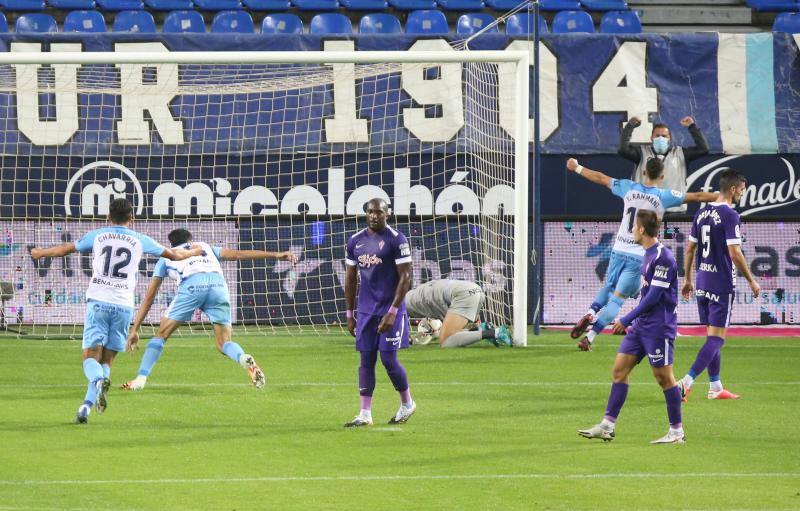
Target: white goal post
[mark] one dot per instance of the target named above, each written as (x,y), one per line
(233,116)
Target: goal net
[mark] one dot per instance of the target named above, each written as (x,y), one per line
(269,151)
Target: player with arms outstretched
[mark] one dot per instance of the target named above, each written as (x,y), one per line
(653,326)
(716,230)
(456,303)
(116,252)
(201,285)
(381,256)
(622,277)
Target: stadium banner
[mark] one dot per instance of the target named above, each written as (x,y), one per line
(577,255)
(58,296)
(739,88)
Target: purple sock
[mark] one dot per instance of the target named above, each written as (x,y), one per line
(673,398)
(366,374)
(714,367)
(366,402)
(619,391)
(706,354)
(395,370)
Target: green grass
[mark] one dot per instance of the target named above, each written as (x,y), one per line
(495,429)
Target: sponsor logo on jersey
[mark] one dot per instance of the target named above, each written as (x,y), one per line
(707,294)
(709,267)
(405,249)
(661,272)
(367,260)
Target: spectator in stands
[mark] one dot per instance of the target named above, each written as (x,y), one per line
(675,158)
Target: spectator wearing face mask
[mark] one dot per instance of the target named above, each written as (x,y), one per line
(674,158)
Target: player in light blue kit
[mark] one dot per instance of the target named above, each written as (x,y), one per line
(201,285)
(116,252)
(622,278)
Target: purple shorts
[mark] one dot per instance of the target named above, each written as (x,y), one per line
(369,339)
(659,350)
(715,309)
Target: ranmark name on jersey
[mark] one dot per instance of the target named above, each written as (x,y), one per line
(122,284)
(713,213)
(117,236)
(652,199)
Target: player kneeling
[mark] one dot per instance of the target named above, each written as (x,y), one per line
(455,304)
(200,286)
(652,334)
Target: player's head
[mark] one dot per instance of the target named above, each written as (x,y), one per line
(647,225)
(120,212)
(654,169)
(179,237)
(731,185)
(377,214)
(661,138)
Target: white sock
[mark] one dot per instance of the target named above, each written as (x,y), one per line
(607,424)
(688,381)
(367,414)
(408,405)
(716,386)
(591,313)
(591,335)
(242,359)
(676,430)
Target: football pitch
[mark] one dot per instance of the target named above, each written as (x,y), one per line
(495,429)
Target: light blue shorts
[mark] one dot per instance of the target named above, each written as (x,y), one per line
(205,291)
(106,325)
(624,274)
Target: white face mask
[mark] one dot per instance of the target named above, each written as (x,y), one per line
(661,145)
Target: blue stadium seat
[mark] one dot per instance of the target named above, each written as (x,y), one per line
(316,5)
(472,23)
(605,5)
(66,5)
(282,23)
(559,5)
(570,22)
(330,23)
(380,23)
(522,24)
(137,22)
(426,22)
(120,5)
(364,5)
(232,22)
(179,22)
(22,5)
(461,5)
(84,21)
(36,24)
(169,5)
(620,22)
(773,5)
(267,5)
(412,5)
(788,22)
(3,23)
(503,5)
(217,5)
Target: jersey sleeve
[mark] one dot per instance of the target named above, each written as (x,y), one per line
(672,198)
(693,233)
(665,272)
(733,232)
(402,250)
(350,258)
(86,242)
(620,187)
(161,268)
(149,246)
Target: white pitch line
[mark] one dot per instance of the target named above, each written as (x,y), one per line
(445,477)
(210,346)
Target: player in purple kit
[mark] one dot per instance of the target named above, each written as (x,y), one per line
(716,229)
(653,325)
(381,255)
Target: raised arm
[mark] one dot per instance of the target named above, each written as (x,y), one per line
(700,144)
(179,254)
(592,175)
(700,197)
(688,269)
(55,251)
(403,285)
(144,308)
(227,254)
(626,150)
(735,251)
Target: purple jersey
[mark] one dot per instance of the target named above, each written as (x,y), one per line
(659,275)
(376,255)
(715,227)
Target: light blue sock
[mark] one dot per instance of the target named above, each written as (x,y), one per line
(601,299)
(232,350)
(608,313)
(93,372)
(106,371)
(151,356)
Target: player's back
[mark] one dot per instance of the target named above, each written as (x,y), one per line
(636,197)
(660,270)
(207,262)
(116,253)
(715,227)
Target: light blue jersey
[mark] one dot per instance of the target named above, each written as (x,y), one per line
(637,196)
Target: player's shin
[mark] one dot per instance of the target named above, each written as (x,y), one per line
(606,315)
(233,351)
(366,379)
(94,373)
(151,356)
(616,398)
(673,398)
(705,356)
(397,374)
(714,370)
(465,338)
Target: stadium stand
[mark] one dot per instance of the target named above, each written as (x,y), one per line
(316,5)
(218,5)
(412,5)
(169,5)
(620,22)
(472,23)
(426,22)
(178,22)
(282,23)
(33,23)
(71,4)
(232,22)
(120,5)
(461,5)
(567,22)
(773,5)
(137,22)
(604,5)
(267,5)
(380,23)
(560,5)
(522,24)
(3,23)
(22,5)
(330,23)
(84,21)
(364,5)
(788,22)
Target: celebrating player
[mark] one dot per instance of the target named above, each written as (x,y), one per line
(716,228)
(201,285)
(382,257)
(653,324)
(116,252)
(455,303)
(622,278)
